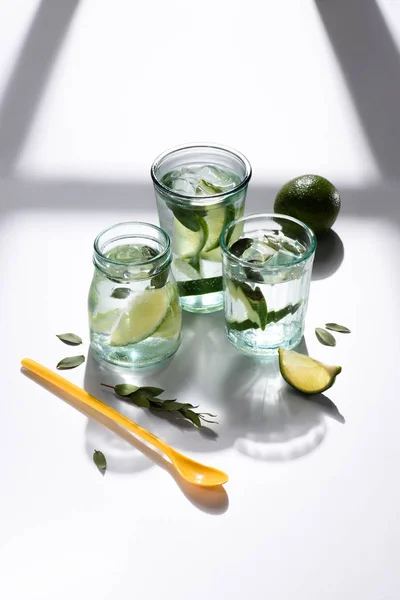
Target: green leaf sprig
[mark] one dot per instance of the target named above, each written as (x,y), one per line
(147,397)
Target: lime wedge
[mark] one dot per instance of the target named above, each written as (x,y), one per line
(306,374)
(104,322)
(183,270)
(171,325)
(145,314)
(215,219)
(187,243)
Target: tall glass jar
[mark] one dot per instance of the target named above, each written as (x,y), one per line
(199,189)
(134,309)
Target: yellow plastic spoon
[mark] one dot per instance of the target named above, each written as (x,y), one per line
(189,469)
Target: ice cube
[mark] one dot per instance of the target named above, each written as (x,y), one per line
(272,241)
(184,185)
(216,177)
(259,252)
(292,246)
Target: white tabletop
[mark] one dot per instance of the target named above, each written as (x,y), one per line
(90,93)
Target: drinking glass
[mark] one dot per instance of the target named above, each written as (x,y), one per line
(267,263)
(199,189)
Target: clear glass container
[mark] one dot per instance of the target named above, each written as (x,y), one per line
(199,190)
(267,263)
(134,309)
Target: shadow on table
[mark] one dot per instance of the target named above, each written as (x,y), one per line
(127,454)
(258,413)
(329,255)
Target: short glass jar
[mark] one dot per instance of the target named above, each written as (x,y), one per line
(134,310)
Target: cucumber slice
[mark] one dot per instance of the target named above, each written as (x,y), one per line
(253,301)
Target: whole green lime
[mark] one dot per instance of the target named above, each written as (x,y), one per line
(311,199)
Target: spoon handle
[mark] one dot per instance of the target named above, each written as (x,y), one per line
(89,400)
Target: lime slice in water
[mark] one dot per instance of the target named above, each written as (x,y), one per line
(103,322)
(144,315)
(171,325)
(215,219)
(306,374)
(187,243)
(183,270)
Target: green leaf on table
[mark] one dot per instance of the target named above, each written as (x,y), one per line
(99,460)
(153,391)
(71,339)
(172,405)
(121,293)
(146,397)
(140,399)
(125,389)
(325,337)
(70,362)
(192,416)
(338,328)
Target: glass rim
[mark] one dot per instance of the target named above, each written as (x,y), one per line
(163,254)
(199,200)
(265,267)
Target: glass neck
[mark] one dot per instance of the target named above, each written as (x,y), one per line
(132,251)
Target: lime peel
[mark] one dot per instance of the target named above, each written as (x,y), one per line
(306,374)
(143,317)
